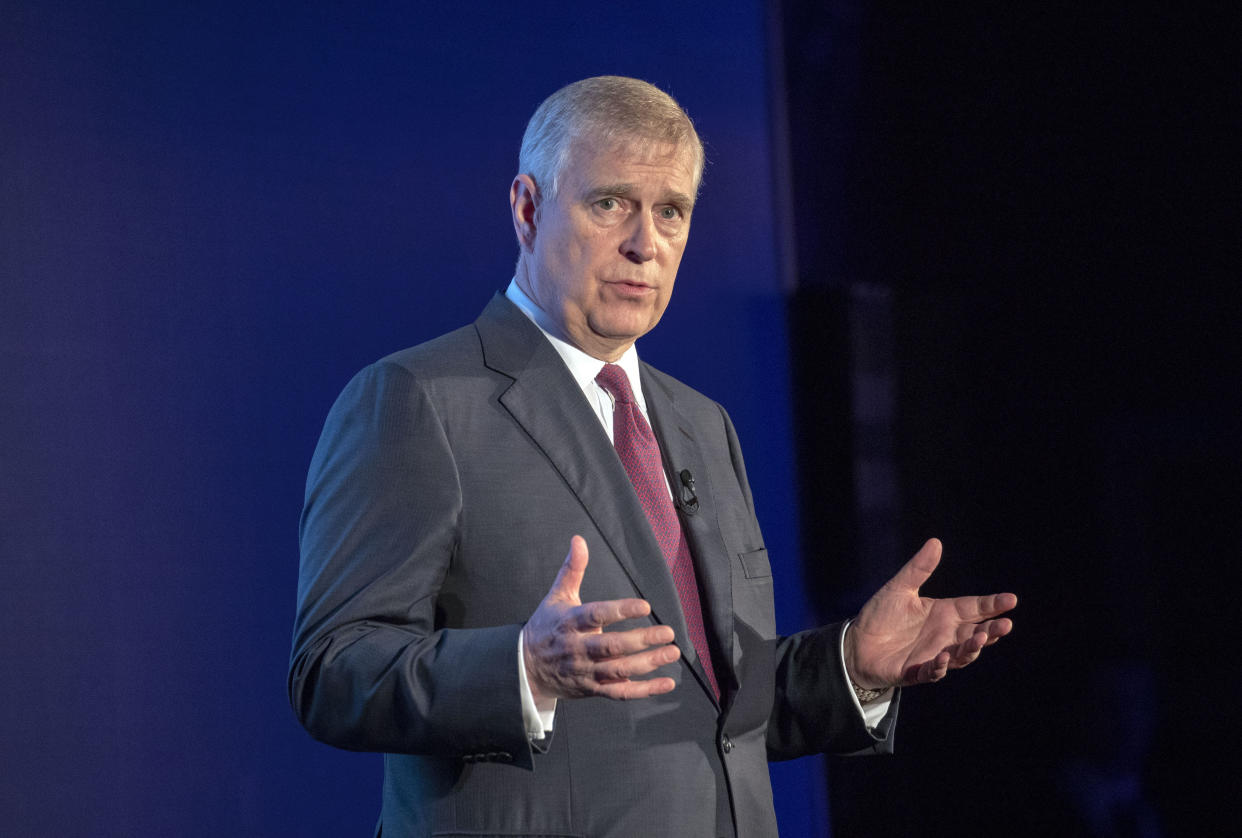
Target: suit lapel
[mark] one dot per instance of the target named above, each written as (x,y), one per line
(711,558)
(546,401)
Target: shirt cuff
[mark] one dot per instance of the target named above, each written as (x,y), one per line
(536,716)
(873,713)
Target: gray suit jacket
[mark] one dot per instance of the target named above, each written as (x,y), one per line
(439,507)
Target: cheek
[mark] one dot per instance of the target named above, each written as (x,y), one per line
(580,258)
(662,303)
(562,265)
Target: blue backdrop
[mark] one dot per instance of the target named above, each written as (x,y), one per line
(210,216)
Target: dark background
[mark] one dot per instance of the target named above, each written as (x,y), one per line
(961,272)
(1030,212)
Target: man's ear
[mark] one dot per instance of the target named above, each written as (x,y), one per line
(524,205)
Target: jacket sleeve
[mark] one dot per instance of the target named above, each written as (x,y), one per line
(812,710)
(371,670)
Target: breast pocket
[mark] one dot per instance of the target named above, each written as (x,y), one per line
(755,564)
(752,594)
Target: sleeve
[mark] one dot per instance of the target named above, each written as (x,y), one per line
(370,668)
(814,709)
(813,706)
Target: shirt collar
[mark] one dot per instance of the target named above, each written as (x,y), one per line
(581,366)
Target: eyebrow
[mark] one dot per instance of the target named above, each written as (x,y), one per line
(678,199)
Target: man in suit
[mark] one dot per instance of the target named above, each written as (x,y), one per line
(646,690)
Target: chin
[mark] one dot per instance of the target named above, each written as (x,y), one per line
(626,332)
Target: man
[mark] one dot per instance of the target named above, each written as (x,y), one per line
(645,691)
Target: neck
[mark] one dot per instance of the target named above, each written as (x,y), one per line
(553,323)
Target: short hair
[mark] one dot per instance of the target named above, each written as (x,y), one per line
(605,110)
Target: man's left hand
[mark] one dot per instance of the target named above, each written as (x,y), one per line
(900,638)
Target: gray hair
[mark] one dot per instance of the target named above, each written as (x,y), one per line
(605,110)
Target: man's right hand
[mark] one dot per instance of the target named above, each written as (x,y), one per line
(569,655)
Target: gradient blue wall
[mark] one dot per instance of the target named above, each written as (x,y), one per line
(210,216)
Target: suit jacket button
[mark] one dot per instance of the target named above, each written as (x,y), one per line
(726,744)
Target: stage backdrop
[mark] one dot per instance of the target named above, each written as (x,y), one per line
(211,215)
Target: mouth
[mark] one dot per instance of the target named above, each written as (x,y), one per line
(634,284)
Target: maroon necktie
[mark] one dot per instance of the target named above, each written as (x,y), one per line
(640,454)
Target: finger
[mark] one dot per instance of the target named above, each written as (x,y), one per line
(975,609)
(984,635)
(1003,602)
(930,670)
(633,666)
(593,616)
(615,644)
(920,567)
(996,604)
(628,690)
(969,650)
(569,578)
(996,629)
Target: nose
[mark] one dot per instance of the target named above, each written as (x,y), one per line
(640,245)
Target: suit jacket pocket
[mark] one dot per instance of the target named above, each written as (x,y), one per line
(755,563)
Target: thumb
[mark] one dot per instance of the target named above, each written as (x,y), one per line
(920,567)
(569,578)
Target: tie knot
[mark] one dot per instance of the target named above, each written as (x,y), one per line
(613,379)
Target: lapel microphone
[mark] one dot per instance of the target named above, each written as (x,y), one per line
(689,500)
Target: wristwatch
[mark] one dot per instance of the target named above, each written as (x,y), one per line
(865,695)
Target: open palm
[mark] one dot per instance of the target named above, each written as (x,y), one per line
(900,638)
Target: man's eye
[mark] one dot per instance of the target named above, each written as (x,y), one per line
(607,203)
(669,213)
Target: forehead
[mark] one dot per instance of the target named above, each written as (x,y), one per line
(631,160)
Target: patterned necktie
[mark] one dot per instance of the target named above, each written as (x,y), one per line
(640,454)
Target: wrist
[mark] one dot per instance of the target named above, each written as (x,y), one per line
(866,688)
(529,679)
